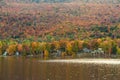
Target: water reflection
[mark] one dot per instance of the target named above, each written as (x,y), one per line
(22,68)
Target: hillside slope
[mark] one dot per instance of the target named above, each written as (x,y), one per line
(59,21)
(54,1)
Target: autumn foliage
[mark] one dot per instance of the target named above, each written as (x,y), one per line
(63,29)
(46,22)
(63,47)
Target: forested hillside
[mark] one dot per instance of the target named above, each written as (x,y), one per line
(46,22)
(39,1)
(31,27)
(54,1)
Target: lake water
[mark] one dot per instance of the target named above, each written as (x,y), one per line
(28,68)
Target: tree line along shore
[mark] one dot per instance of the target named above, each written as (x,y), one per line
(104,46)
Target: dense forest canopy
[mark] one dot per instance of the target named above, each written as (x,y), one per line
(69,20)
(39,1)
(2,3)
(54,1)
(69,26)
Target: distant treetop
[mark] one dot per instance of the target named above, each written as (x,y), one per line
(2,3)
(59,1)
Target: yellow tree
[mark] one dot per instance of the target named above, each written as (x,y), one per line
(118,51)
(69,48)
(34,46)
(106,46)
(57,45)
(11,49)
(46,53)
(46,49)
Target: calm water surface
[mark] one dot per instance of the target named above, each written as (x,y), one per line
(22,68)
